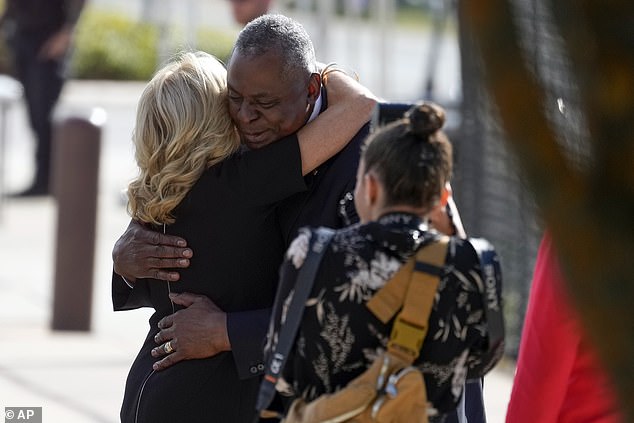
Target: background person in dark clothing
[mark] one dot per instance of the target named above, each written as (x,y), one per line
(39,34)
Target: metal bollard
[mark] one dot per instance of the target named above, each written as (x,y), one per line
(75,185)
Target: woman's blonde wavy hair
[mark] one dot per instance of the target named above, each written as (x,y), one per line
(182,128)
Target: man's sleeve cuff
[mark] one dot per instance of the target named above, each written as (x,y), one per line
(247,330)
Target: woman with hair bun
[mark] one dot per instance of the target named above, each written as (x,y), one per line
(402,179)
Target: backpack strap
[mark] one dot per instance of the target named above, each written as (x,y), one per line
(414,288)
(388,300)
(303,287)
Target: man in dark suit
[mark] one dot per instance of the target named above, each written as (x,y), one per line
(256,77)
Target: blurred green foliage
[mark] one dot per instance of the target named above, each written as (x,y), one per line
(111,45)
(5,63)
(215,42)
(5,60)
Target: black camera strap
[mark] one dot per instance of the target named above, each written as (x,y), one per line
(303,287)
(491,278)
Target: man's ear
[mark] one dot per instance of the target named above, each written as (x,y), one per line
(314,87)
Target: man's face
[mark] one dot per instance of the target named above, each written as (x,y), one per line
(264,104)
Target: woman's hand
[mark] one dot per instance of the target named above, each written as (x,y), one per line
(344,88)
(350,107)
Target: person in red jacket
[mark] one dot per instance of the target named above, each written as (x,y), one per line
(558,376)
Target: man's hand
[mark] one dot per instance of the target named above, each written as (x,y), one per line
(197,331)
(143,253)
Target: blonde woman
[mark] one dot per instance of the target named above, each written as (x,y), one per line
(197,181)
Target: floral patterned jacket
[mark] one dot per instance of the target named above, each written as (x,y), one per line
(339,337)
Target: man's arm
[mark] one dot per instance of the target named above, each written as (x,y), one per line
(202,330)
(126,298)
(197,331)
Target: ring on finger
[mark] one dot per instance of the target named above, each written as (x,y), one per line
(168,348)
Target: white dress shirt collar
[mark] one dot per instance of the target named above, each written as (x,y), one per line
(316,109)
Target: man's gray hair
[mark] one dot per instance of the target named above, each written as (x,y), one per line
(282,35)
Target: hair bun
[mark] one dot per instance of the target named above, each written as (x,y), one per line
(425,119)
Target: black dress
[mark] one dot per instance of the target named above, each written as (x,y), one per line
(339,337)
(230,214)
